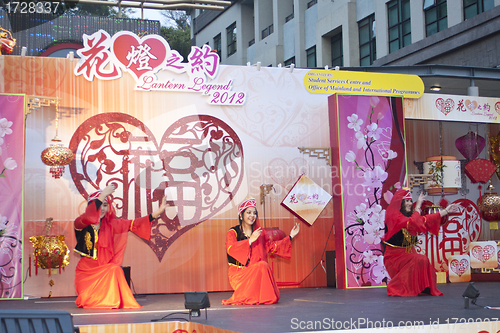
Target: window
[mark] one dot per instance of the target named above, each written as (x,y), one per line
(290,61)
(311,57)
(231,39)
(474,7)
(398,12)
(311,3)
(337,50)
(367,45)
(436,17)
(218,45)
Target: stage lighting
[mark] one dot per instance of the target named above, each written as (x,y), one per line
(470,293)
(195,301)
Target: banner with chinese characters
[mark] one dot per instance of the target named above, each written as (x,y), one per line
(306,199)
(11,194)
(453,108)
(367,134)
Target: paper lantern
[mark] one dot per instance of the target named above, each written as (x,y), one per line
(56,156)
(480,170)
(489,205)
(447,175)
(470,145)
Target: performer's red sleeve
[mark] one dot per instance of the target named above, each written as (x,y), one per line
(428,223)
(282,248)
(415,224)
(142,227)
(90,216)
(239,250)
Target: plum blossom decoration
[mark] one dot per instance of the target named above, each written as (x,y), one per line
(9,163)
(372,159)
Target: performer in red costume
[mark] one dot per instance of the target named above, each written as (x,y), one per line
(411,273)
(101,240)
(247,246)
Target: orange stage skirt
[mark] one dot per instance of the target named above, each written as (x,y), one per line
(254,284)
(102,287)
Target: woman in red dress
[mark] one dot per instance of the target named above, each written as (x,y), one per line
(411,273)
(101,240)
(247,246)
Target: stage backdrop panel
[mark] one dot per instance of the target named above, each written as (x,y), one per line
(367,138)
(11,194)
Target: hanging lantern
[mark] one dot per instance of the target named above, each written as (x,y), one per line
(446,175)
(489,205)
(56,155)
(7,43)
(470,145)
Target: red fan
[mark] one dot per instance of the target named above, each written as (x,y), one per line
(480,170)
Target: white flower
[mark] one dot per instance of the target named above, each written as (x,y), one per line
(373,234)
(369,257)
(10,164)
(373,131)
(1,141)
(354,122)
(388,154)
(361,140)
(3,222)
(363,211)
(379,271)
(375,177)
(378,219)
(4,127)
(350,156)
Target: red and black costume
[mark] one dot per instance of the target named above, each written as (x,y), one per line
(411,273)
(249,273)
(99,279)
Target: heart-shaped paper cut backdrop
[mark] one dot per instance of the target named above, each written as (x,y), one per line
(482,253)
(198,164)
(459,267)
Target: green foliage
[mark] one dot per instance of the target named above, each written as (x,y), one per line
(178,39)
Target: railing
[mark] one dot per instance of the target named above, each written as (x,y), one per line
(267,31)
(289,17)
(250,43)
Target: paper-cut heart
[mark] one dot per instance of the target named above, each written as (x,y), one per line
(445,106)
(471,105)
(483,253)
(140,55)
(497,107)
(198,164)
(459,267)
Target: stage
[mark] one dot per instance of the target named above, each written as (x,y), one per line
(299,310)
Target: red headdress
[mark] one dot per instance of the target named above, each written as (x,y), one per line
(393,212)
(250,202)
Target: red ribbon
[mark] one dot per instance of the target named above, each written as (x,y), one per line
(36,264)
(29,266)
(59,263)
(48,257)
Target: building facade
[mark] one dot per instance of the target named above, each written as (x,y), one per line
(319,33)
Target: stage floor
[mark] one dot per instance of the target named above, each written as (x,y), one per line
(299,309)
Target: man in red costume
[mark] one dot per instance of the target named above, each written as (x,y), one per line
(411,273)
(101,240)
(247,246)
